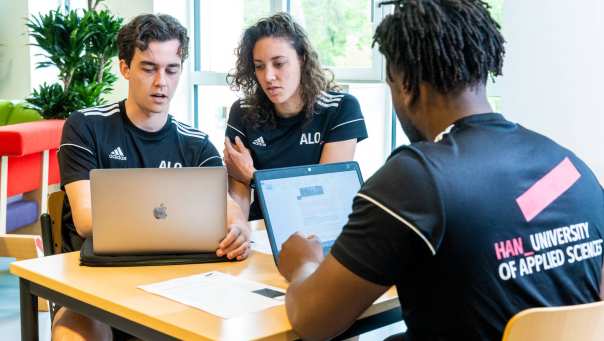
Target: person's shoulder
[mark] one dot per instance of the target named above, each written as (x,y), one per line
(94,116)
(338,106)
(404,163)
(407,190)
(403,157)
(188,133)
(99,112)
(331,101)
(237,111)
(241,104)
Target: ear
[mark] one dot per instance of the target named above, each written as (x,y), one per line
(124,69)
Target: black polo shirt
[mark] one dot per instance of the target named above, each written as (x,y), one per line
(489,221)
(295,140)
(104,137)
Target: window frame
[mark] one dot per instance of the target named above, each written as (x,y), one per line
(373,74)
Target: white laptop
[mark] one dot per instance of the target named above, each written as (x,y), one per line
(315,199)
(158,210)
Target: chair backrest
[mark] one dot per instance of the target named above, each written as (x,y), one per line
(583,322)
(52,223)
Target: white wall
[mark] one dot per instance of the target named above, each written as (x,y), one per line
(14,52)
(553,78)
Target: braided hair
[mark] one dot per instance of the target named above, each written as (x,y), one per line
(449,44)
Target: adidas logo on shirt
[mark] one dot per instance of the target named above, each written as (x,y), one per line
(259,142)
(117,154)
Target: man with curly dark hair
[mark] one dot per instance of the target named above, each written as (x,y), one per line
(477,219)
(290,114)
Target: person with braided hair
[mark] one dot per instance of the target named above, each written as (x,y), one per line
(475,220)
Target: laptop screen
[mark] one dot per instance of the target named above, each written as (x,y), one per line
(310,199)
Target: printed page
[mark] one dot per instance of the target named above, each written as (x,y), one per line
(219,294)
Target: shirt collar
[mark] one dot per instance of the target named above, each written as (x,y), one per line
(476,118)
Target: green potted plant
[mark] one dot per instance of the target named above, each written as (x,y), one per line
(80,44)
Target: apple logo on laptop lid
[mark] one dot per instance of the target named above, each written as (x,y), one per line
(160,212)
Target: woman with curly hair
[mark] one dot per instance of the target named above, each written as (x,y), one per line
(290,113)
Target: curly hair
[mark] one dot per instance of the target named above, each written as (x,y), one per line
(449,44)
(260,111)
(145,28)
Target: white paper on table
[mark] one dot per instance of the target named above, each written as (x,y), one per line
(260,242)
(218,293)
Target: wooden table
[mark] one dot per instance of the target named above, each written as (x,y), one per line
(111,295)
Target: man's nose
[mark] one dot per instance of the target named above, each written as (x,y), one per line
(160,79)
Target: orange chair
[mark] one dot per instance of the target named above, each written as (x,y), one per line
(582,322)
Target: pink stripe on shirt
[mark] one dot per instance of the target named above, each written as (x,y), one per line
(547,189)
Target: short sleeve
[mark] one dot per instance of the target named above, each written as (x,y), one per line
(348,122)
(77,153)
(235,126)
(396,224)
(209,156)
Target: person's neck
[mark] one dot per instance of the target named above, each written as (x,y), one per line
(437,112)
(289,108)
(147,121)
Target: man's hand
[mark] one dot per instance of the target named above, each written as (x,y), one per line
(238,160)
(299,252)
(236,244)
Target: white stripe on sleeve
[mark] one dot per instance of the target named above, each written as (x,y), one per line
(399,218)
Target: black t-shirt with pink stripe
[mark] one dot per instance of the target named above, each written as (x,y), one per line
(489,221)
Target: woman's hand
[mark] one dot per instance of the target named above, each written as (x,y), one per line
(238,161)
(236,243)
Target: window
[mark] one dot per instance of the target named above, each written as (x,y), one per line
(47,74)
(221,31)
(216,34)
(344,47)
(181,106)
(341,32)
(493,89)
(375,104)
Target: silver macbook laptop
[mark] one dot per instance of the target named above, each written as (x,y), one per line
(315,199)
(158,210)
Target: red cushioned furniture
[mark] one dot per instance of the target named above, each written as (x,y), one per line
(28,161)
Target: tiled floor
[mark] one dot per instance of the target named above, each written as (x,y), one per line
(9,312)
(10,328)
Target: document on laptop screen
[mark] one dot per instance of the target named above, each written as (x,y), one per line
(316,204)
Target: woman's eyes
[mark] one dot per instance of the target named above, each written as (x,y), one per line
(275,64)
